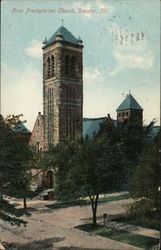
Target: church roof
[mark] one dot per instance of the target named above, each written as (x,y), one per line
(21,128)
(155,130)
(66,35)
(129,103)
(91,126)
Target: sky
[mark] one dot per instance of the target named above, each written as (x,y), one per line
(121,52)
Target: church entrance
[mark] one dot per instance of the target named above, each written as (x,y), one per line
(50,179)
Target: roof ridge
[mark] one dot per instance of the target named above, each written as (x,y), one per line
(98,118)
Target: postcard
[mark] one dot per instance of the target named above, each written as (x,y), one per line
(80,83)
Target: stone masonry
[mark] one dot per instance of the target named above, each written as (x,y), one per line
(36,138)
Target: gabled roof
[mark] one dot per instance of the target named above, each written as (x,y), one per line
(21,128)
(66,35)
(91,126)
(129,103)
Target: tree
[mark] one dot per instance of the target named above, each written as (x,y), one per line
(136,140)
(14,176)
(145,182)
(133,139)
(103,164)
(24,164)
(14,120)
(88,168)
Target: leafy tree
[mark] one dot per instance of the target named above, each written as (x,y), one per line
(133,139)
(14,120)
(24,162)
(14,176)
(136,140)
(88,168)
(145,182)
(91,167)
(142,177)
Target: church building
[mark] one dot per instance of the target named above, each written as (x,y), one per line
(62,116)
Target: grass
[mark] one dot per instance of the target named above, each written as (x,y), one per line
(144,242)
(114,198)
(82,202)
(151,223)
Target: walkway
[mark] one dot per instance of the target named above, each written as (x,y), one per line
(50,229)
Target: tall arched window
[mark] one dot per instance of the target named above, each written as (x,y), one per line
(67,65)
(50,115)
(67,92)
(48,61)
(73,93)
(52,65)
(73,62)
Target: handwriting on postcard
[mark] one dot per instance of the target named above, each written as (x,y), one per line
(59,10)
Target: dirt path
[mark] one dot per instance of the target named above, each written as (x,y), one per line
(50,228)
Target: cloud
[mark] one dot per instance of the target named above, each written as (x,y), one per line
(21,92)
(134,56)
(91,9)
(104,5)
(94,94)
(35,49)
(92,76)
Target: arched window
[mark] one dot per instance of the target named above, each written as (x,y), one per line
(67,65)
(73,62)
(67,93)
(37,146)
(53,65)
(73,93)
(48,61)
(49,179)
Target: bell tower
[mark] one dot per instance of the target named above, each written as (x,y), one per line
(130,112)
(62,87)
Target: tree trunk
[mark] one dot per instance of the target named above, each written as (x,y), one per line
(94,219)
(24,203)
(94,201)
(1,197)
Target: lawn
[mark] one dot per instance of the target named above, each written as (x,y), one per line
(151,222)
(144,242)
